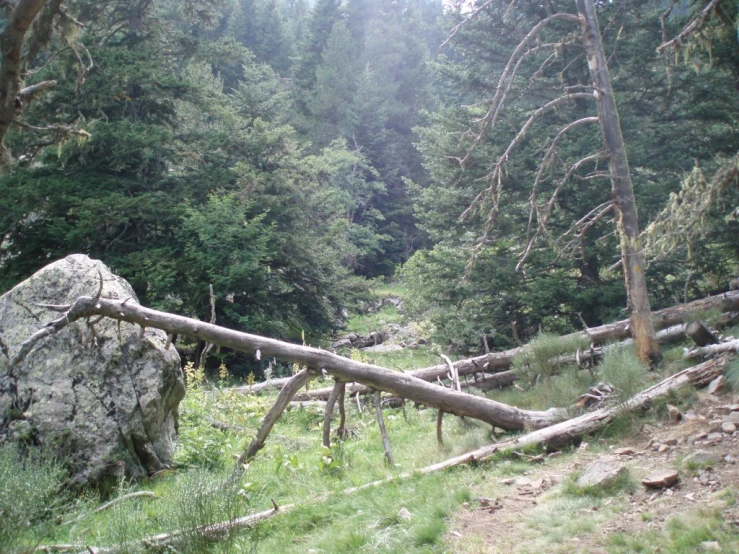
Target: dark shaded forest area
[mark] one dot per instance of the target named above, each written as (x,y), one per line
(286,152)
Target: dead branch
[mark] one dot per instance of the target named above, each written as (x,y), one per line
(298,381)
(439,421)
(506,78)
(383,430)
(534,207)
(379,378)
(694,25)
(27,94)
(453,374)
(341,431)
(209,345)
(495,176)
(329,412)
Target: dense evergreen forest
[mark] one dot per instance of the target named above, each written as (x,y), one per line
(287,151)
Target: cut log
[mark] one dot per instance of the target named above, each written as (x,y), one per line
(701,335)
(343,369)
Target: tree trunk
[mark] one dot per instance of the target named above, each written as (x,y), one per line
(642,328)
(12,39)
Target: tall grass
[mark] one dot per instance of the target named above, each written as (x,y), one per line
(541,358)
(621,368)
(30,497)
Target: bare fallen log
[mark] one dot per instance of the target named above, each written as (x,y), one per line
(713,350)
(551,437)
(343,369)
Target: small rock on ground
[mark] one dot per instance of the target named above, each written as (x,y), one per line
(603,472)
(700,457)
(717,386)
(660,479)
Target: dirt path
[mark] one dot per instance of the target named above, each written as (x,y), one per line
(533,513)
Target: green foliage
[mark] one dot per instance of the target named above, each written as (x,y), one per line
(201,499)
(683,535)
(30,497)
(541,356)
(732,374)
(621,368)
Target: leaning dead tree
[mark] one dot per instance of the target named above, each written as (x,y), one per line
(585,32)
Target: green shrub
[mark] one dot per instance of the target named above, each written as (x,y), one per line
(201,499)
(541,356)
(732,375)
(30,486)
(622,369)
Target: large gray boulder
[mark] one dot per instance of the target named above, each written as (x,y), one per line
(103,398)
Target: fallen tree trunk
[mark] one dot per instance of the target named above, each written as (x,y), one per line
(343,369)
(551,437)
(701,335)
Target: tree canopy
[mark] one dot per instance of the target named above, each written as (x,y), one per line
(284,151)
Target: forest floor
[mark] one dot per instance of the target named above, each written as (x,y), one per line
(519,502)
(540,510)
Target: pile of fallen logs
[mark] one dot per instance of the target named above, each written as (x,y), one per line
(551,428)
(491,371)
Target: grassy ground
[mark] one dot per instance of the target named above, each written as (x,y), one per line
(446,512)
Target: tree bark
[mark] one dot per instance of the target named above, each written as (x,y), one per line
(12,39)
(627,221)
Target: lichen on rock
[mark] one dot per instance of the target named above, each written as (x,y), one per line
(103,397)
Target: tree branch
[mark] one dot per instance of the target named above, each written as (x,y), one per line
(694,25)
(495,177)
(530,241)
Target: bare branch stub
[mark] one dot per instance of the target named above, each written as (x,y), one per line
(383,430)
